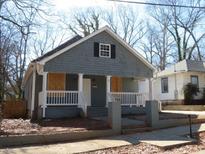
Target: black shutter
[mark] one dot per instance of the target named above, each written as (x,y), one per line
(96,49)
(113,53)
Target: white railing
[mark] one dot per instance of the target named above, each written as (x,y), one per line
(129,98)
(54,97)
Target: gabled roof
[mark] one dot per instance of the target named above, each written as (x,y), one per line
(64,48)
(60,47)
(183,66)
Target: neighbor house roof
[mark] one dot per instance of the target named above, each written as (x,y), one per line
(183,66)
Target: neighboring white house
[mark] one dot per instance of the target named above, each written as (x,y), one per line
(168,84)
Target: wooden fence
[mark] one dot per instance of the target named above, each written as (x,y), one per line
(14,109)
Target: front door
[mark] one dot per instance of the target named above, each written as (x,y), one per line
(87,91)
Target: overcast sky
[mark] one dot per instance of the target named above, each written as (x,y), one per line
(67,5)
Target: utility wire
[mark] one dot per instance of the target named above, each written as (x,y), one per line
(157,4)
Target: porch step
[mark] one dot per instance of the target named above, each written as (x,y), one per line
(97,111)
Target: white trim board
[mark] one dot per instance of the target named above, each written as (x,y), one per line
(109,31)
(33,90)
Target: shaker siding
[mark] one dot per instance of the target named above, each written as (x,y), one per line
(28,92)
(81,59)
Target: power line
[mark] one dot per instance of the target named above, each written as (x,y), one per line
(157,4)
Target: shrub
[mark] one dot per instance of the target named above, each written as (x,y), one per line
(190,91)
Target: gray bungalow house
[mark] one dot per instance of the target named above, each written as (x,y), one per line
(82,75)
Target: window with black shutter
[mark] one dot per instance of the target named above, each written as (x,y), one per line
(113,54)
(104,50)
(96,49)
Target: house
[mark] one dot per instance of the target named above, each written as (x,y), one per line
(82,75)
(169,83)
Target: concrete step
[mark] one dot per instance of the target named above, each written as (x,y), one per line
(136,130)
(133,126)
(97,111)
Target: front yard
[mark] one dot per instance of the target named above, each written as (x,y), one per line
(23,127)
(144,148)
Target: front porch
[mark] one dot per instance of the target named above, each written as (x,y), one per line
(70,95)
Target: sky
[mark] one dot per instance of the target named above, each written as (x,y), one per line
(66,5)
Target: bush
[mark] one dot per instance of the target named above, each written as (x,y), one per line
(190,91)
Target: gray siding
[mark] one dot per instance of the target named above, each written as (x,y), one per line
(62,112)
(129,85)
(28,92)
(71,82)
(80,59)
(38,88)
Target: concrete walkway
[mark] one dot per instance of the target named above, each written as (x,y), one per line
(162,138)
(199,152)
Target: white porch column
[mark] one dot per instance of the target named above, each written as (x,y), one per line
(108,87)
(80,89)
(44,89)
(150,89)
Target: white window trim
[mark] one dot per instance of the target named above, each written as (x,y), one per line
(104,50)
(162,90)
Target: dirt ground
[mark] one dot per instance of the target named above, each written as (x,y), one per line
(22,127)
(143,148)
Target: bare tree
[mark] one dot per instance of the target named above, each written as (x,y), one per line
(157,46)
(148,46)
(48,39)
(183,25)
(17,21)
(83,22)
(125,22)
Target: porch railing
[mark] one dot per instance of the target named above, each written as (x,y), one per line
(61,97)
(129,98)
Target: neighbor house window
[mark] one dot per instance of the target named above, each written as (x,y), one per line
(194,80)
(104,50)
(164,85)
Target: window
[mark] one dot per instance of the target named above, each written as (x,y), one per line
(104,50)
(164,85)
(194,80)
